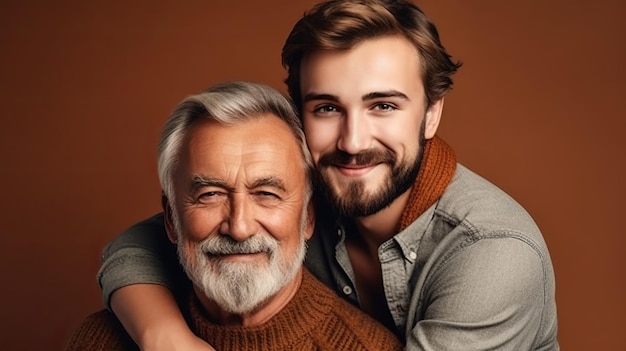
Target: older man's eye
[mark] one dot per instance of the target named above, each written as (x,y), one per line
(266,194)
(267,198)
(209,196)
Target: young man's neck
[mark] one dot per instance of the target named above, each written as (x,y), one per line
(383,225)
(258,316)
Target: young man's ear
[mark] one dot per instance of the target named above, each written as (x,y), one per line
(432,118)
(170,228)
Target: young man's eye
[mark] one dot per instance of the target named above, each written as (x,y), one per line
(384,107)
(325,109)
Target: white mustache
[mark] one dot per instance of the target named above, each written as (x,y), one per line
(224,245)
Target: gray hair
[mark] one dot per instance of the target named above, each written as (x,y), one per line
(227,103)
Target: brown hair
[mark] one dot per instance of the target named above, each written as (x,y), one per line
(341,24)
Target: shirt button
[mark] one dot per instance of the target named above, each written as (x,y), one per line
(347,290)
(412,255)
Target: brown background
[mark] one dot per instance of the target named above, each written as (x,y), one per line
(86,85)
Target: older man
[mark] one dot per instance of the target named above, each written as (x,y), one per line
(235,173)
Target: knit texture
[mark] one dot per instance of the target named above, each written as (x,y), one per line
(436,172)
(315,319)
(99,332)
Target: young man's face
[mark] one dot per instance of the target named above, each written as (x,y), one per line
(365,113)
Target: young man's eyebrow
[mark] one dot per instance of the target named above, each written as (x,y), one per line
(315,96)
(384,94)
(369,96)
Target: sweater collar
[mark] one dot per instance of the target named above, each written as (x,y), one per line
(305,312)
(436,172)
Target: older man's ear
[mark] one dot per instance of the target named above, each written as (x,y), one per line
(310,221)
(170,228)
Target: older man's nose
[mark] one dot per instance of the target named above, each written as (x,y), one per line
(239,223)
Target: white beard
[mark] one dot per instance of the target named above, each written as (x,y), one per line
(239,287)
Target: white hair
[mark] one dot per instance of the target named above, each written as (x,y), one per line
(228,103)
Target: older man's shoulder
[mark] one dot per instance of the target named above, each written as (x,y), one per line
(101,331)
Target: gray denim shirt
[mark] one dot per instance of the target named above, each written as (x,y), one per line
(471,273)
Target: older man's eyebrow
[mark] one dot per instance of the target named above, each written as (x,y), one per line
(270,182)
(384,94)
(198,181)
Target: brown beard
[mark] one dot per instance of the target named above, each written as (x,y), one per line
(354,203)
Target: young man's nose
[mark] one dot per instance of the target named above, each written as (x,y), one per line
(355,135)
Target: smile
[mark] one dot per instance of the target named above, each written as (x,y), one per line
(354,170)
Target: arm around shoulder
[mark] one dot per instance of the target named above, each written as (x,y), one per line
(138,268)
(142,254)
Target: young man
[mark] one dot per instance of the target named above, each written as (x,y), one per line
(236,179)
(439,255)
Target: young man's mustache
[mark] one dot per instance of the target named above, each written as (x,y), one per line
(367,157)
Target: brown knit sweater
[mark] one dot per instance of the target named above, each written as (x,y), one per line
(315,319)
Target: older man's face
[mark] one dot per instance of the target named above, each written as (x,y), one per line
(239,210)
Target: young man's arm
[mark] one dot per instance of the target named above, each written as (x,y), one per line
(138,269)
(150,315)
